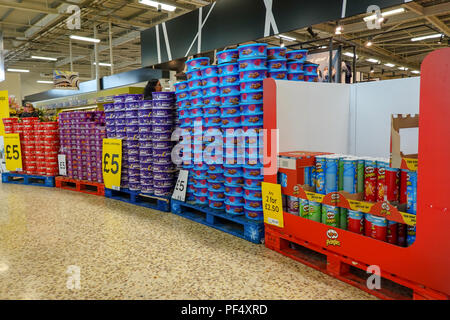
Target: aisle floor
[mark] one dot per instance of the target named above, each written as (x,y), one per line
(128,252)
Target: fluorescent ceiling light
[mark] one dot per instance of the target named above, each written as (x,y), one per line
(43,58)
(430,36)
(402,68)
(102,64)
(384,14)
(17,70)
(156,5)
(349,54)
(84,39)
(415,71)
(44,81)
(369,43)
(373,60)
(389,65)
(339,30)
(285,38)
(282,45)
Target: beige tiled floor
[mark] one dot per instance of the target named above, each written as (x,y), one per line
(128,252)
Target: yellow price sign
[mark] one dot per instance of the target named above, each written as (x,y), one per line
(13,154)
(411,163)
(112,163)
(359,206)
(272,204)
(316,197)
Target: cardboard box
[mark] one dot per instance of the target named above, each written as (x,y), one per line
(397,158)
(293,165)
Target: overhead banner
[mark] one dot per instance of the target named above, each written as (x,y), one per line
(230,22)
(66,80)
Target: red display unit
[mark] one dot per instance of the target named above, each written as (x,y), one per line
(422,267)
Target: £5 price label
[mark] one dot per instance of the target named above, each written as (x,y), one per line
(112,163)
(179,193)
(13,153)
(272,204)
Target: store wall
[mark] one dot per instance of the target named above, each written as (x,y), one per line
(12,84)
(30,86)
(371,109)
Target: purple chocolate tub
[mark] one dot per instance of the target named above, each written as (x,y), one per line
(163,104)
(159,128)
(162,120)
(163,95)
(162,152)
(163,167)
(142,113)
(162,136)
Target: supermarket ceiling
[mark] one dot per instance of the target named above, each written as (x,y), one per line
(38,28)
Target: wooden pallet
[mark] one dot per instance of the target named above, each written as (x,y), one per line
(238,226)
(29,180)
(84,186)
(140,199)
(347,269)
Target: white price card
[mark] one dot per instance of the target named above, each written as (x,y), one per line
(62,164)
(179,193)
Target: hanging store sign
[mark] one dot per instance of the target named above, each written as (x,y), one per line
(66,80)
(230,22)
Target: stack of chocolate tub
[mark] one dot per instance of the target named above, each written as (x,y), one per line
(119,131)
(146,146)
(131,143)
(163,124)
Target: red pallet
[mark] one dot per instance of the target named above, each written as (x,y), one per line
(347,269)
(422,267)
(84,186)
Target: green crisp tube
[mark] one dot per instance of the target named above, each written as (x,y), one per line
(343,218)
(341,174)
(315,211)
(330,215)
(304,208)
(360,175)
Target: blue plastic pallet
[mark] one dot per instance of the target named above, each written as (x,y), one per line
(29,180)
(238,226)
(140,199)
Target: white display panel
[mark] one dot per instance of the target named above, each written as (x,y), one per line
(345,118)
(372,105)
(313,116)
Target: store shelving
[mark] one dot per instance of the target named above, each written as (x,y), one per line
(422,267)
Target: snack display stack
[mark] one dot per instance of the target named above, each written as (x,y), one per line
(146,146)
(132,104)
(197,122)
(163,124)
(252,58)
(183,108)
(81,136)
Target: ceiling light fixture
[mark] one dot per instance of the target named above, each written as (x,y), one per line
(280,36)
(103,64)
(158,5)
(369,43)
(43,58)
(45,81)
(415,72)
(17,70)
(339,29)
(87,39)
(389,65)
(349,54)
(373,60)
(402,68)
(282,45)
(430,36)
(384,14)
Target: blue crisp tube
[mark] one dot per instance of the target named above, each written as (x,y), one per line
(320,174)
(331,174)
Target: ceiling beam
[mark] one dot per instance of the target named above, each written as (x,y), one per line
(27,7)
(425,12)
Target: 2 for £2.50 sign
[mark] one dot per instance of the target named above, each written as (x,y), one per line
(112,163)
(272,204)
(13,154)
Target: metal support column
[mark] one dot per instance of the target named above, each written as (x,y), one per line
(70,52)
(111,58)
(97,76)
